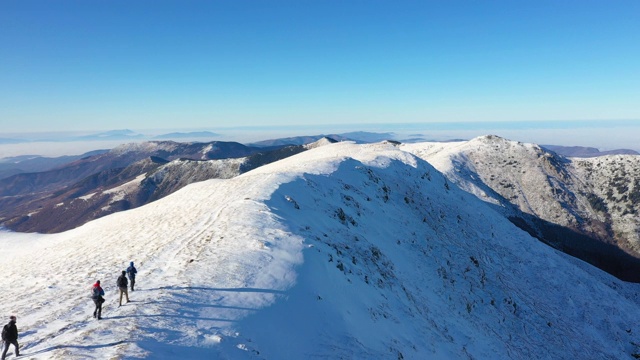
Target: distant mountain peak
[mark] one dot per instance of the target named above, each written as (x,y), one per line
(117,132)
(321,142)
(188,135)
(124,134)
(583,151)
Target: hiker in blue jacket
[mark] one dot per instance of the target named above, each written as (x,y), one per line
(131,272)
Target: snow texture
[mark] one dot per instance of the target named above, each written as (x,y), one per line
(344,251)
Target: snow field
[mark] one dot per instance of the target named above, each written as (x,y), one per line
(343,251)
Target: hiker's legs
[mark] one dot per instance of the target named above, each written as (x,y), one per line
(15,344)
(4,351)
(133,282)
(99,308)
(126,294)
(121,292)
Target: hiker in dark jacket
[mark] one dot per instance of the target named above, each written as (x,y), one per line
(131,271)
(10,337)
(122,285)
(97,296)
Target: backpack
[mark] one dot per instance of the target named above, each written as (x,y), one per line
(122,281)
(95,292)
(5,331)
(131,271)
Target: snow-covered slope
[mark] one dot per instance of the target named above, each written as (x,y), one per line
(598,197)
(615,184)
(28,207)
(501,171)
(344,251)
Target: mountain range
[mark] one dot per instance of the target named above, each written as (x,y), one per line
(585,207)
(341,251)
(582,151)
(125,177)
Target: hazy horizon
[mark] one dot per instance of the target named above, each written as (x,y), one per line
(597,134)
(286,67)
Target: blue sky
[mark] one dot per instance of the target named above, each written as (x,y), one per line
(100,65)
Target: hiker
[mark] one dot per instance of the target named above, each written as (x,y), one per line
(97,296)
(131,271)
(122,285)
(10,337)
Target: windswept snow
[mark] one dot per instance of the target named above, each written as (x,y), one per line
(343,251)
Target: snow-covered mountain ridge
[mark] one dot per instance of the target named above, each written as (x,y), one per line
(343,251)
(596,198)
(126,177)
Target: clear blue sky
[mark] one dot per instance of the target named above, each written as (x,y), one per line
(99,65)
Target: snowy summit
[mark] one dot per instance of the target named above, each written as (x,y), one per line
(344,251)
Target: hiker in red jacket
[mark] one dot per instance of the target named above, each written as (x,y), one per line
(97,296)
